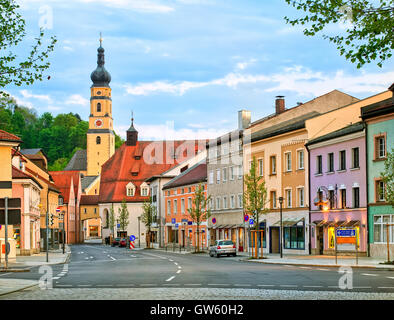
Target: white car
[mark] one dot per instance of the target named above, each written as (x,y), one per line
(223,247)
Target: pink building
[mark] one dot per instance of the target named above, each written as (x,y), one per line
(338,187)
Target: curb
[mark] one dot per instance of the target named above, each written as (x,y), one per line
(320,265)
(15,270)
(17,290)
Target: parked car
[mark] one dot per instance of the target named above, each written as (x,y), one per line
(122,242)
(223,247)
(115,242)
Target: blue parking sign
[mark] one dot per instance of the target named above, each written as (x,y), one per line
(173,220)
(132,238)
(251,221)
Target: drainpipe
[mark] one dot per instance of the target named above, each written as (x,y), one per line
(366,185)
(309,204)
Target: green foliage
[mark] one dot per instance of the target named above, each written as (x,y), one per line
(388,177)
(111,219)
(23,71)
(369,36)
(255,194)
(58,136)
(148,216)
(123,216)
(200,210)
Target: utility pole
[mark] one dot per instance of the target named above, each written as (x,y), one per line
(46,222)
(6,232)
(281,228)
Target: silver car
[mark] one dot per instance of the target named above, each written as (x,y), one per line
(223,247)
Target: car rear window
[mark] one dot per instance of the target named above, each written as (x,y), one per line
(226,243)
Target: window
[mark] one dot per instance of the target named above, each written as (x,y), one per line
(356,158)
(356,197)
(288,198)
(232,174)
(319,164)
(99,107)
(342,160)
(211,177)
(130,190)
(218,176)
(380,191)
(95,210)
(84,210)
(217,203)
(98,140)
(240,173)
(60,201)
(301,201)
(224,174)
(331,195)
(380,229)
(288,161)
(168,207)
(343,198)
(261,171)
(320,195)
(232,201)
(331,162)
(273,164)
(182,206)
(189,203)
(300,154)
(224,202)
(294,237)
(175,206)
(273,200)
(380,147)
(240,200)
(144,192)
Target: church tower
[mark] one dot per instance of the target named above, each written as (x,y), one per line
(100,136)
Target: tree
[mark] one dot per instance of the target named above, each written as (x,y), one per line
(200,210)
(369,36)
(123,216)
(148,217)
(26,70)
(255,194)
(111,219)
(388,177)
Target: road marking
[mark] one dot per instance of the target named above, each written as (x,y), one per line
(369,274)
(176,263)
(305,267)
(169,279)
(179,271)
(56,278)
(390,277)
(266,285)
(289,285)
(91,257)
(5,274)
(84,285)
(133,256)
(386,287)
(218,284)
(242,285)
(171,260)
(287,265)
(147,284)
(361,287)
(313,286)
(112,258)
(321,269)
(192,284)
(336,287)
(64,285)
(103,285)
(179,267)
(125,285)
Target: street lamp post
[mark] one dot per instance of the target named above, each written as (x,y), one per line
(281,227)
(139,234)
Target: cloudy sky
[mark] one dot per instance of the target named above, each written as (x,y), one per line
(185,67)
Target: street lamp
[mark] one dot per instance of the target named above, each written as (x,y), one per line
(281,226)
(139,235)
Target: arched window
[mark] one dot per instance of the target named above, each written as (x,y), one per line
(98,140)
(99,107)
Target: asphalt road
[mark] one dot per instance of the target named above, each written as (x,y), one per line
(100,266)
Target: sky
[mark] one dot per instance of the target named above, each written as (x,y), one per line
(186,67)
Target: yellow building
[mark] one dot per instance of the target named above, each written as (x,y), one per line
(90,217)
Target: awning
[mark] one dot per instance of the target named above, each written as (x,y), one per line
(341,223)
(289,222)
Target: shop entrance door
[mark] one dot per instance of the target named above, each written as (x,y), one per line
(183,238)
(320,243)
(274,240)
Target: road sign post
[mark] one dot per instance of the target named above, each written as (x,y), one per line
(6,232)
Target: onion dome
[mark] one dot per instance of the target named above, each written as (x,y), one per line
(100,77)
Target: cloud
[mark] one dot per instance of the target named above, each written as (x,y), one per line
(28,95)
(78,100)
(299,79)
(135,5)
(245,64)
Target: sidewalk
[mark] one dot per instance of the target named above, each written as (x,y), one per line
(321,261)
(12,285)
(24,262)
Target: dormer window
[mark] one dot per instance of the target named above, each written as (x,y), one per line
(144,190)
(130,189)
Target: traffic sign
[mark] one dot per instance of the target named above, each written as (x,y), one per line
(173,220)
(346,232)
(131,246)
(251,221)
(190,223)
(132,238)
(176,225)
(246,218)
(118,225)
(213,220)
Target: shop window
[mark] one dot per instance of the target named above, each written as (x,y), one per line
(294,237)
(380,228)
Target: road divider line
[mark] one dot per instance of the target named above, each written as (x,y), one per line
(112,258)
(179,267)
(390,277)
(179,271)
(169,279)
(369,274)
(218,284)
(313,286)
(321,269)
(289,285)
(386,287)
(266,285)
(242,285)
(192,284)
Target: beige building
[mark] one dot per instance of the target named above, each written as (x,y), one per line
(225,185)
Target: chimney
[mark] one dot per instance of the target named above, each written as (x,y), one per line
(244,117)
(279,104)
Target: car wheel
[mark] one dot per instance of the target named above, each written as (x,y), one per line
(234,255)
(228,255)
(211,254)
(217,255)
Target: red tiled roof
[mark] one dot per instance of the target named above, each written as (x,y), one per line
(62,181)
(86,199)
(116,173)
(18,174)
(6,136)
(196,174)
